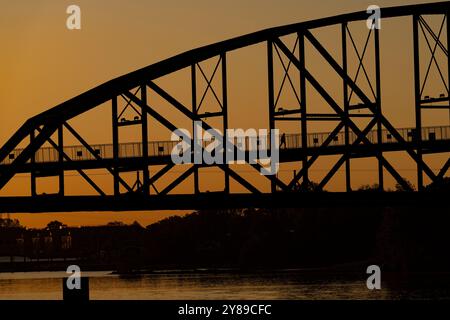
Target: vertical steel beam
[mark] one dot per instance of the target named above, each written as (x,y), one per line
(225,117)
(115,138)
(379,111)
(348,185)
(33,163)
(303,111)
(271,101)
(144,127)
(194,130)
(61,159)
(417,136)
(448,62)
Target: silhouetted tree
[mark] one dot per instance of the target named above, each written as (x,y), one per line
(136,224)
(311,186)
(10,223)
(55,225)
(408,188)
(440,185)
(115,224)
(367,187)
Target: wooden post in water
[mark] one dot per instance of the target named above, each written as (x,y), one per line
(74,294)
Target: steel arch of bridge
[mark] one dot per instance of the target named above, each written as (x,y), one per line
(132,88)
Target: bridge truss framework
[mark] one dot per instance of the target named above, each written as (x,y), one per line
(131,91)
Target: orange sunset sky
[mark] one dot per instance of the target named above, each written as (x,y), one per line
(43,63)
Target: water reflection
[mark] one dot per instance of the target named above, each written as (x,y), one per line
(204,286)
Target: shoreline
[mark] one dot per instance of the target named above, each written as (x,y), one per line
(56,266)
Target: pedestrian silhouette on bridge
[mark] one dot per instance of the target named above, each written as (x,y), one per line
(283,140)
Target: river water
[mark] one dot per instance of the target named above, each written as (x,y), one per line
(204,286)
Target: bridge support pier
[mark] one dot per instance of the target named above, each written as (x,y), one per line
(144,130)
(379,110)
(423,101)
(417,135)
(348,186)
(225,118)
(33,162)
(61,159)
(194,129)
(271,93)
(303,110)
(115,142)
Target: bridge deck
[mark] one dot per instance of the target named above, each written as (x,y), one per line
(434,140)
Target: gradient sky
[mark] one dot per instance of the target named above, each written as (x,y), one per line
(43,64)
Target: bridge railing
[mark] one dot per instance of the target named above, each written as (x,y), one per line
(164,148)
(293,141)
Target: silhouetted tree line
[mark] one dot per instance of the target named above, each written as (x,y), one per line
(405,238)
(263,238)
